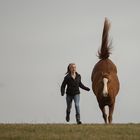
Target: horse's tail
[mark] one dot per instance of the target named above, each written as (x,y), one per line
(104,52)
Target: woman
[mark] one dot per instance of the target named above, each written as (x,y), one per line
(73,82)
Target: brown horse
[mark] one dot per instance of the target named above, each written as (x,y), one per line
(105,83)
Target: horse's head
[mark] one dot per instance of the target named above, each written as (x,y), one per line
(106,79)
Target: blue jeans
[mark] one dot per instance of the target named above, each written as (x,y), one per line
(69,100)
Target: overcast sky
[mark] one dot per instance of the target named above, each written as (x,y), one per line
(39,38)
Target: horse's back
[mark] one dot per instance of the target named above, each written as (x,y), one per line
(106,66)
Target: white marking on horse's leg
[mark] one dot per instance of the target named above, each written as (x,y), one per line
(105,89)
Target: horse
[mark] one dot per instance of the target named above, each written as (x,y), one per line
(105,82)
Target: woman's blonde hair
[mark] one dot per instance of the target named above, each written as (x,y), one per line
(68,68)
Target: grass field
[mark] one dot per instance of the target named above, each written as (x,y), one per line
(69,132)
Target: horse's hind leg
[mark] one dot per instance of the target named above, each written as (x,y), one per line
(111,109)
(104,114)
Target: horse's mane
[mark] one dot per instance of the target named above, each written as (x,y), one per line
(104,51)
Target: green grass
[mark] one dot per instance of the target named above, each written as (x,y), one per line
(69,132)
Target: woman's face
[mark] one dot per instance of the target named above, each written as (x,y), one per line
(72,68)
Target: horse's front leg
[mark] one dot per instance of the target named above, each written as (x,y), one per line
(111,109)
(103,113)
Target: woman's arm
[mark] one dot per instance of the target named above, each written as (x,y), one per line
(63,86)
(81,85)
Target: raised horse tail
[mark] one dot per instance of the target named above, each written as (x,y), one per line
(104,51)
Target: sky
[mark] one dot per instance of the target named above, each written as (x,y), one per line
(39,38)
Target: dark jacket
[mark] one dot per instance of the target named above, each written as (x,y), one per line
(72,85)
